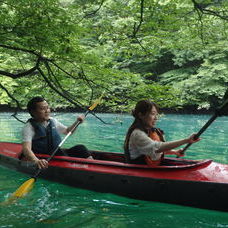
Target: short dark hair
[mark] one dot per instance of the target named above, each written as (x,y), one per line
(31,106)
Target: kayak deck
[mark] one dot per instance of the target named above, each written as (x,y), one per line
(107,158)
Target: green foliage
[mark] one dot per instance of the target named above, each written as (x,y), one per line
(10,84)
(167,51)
(37,25)
(206,84)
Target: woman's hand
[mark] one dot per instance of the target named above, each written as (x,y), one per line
(192,139)
(42,163)
(179,153)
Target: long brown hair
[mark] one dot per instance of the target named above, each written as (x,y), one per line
(143,107)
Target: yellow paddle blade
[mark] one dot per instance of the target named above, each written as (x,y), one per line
(20,192)
(97,101)
(24,188)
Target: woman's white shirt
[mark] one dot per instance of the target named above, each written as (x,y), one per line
(141,144)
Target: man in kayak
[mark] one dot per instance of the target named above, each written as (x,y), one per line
(145,144)
(41,134)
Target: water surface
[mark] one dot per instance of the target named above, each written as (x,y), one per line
(51,204)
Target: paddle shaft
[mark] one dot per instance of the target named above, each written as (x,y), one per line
(26,186)
(220,111)
(61,143)
(209,122)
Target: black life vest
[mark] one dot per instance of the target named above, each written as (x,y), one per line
(45,140)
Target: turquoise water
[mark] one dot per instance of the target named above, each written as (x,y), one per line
(51,204)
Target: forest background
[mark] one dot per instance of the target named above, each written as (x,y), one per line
(174,52)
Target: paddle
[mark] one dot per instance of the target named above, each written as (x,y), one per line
(218,112)
(27,185)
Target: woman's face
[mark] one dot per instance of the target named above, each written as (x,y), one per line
(150,118)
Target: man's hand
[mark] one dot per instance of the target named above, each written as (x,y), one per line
(42,163)
(81,118)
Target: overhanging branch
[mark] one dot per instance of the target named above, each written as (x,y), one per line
(20,49)
(64,96)
(203,9)
(23,73)
(15,100)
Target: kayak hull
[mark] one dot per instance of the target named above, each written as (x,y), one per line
(196,184)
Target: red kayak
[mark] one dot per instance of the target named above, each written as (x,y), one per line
(196,183)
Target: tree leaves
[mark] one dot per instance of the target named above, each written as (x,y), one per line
(206,84)
(173,52)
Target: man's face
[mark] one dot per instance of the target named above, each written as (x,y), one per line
(42,111)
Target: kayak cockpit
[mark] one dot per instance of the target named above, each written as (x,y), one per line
(108,159)
(118,160)
(167,163)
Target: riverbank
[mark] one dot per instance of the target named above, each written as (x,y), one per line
(185,110)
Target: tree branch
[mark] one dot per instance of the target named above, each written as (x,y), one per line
(66,97)
(90,14)
(95,11)
(16,101)
(22,74)
(20,49)
(202,9)
(137,28)
(57,84)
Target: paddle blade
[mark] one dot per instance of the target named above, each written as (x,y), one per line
(24,188)
(94,105)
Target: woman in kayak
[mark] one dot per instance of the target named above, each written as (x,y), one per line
(41,134)
(144,143)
